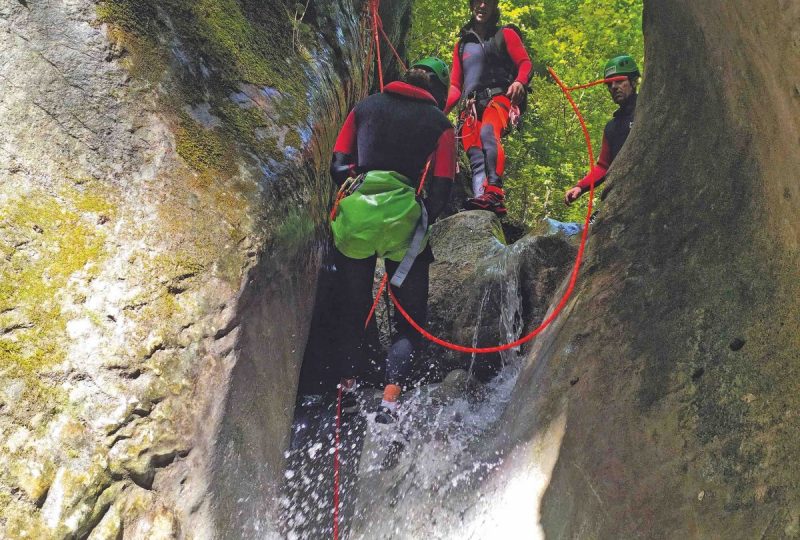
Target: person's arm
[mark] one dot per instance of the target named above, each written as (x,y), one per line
(597,175)
(345,152)
(516,50)
(443,172)
(456,80)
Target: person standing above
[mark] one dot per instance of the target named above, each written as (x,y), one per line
(617,129)
(491,70)
(379,156)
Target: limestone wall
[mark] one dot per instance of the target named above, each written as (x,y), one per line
(162,204)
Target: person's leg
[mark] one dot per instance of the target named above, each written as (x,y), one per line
(471,141)
(406,341)
(494,123)
(354,299)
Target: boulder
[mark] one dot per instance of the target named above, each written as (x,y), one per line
(484,292)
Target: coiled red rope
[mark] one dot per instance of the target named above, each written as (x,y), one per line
(578,259)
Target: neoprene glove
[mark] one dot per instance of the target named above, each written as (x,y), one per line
(342,167)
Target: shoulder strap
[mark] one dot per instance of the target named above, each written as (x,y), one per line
(500,39)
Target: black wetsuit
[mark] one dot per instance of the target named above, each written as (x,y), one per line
(397,130)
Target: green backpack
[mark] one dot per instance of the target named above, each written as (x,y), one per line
(382,216)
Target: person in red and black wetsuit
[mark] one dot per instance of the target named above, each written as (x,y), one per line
(398,131)
(617,129)
(491,70)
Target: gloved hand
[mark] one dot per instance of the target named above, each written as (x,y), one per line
(438,196)
(342,167)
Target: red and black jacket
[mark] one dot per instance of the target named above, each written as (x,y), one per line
(614,136)
(494,63)
(398,130)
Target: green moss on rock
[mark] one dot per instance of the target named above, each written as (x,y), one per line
(202,149)
(46,240)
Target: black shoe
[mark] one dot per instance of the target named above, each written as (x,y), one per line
(385,415)
(350,403)
(392,457)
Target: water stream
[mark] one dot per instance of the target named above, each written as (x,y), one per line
(439,426)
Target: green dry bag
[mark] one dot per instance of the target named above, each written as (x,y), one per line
(379,218)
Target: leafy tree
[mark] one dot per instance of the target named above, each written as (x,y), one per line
(575,37)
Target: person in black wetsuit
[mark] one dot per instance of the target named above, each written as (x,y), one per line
(385,143)
(491,70)
(617,129)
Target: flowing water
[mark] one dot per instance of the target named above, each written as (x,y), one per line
(439,426)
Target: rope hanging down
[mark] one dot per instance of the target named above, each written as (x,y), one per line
(377,32)
(375,47)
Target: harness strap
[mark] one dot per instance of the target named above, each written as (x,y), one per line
(413,250)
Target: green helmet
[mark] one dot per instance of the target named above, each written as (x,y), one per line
(620,65)
(435,65)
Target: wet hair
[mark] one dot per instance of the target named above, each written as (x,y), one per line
(419,78)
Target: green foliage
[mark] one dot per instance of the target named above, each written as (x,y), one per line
(575,38)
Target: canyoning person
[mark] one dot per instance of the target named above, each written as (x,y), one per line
(617,129)
(379,157)
(491,72)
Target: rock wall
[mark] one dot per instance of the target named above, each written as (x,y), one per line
(162,205)
(676,369)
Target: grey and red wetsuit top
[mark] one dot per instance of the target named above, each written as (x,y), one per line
(614,136)
(481,65)
(396,130)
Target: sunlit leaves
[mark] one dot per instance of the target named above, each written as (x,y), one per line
(575,37)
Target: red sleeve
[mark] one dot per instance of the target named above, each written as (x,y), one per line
(444,157)
(456,81)
(346,141)
(516,50)
(598,172)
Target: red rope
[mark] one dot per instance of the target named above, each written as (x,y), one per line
(424,175)
(595,83)
(374,7)
(389,42)
(573,278)
(377,299)
(336,465)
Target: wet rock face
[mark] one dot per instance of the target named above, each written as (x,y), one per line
(485,293)
(162,204)
(676,366)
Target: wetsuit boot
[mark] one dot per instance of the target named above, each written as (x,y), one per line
(387,412)
(492,199)
(349,402)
